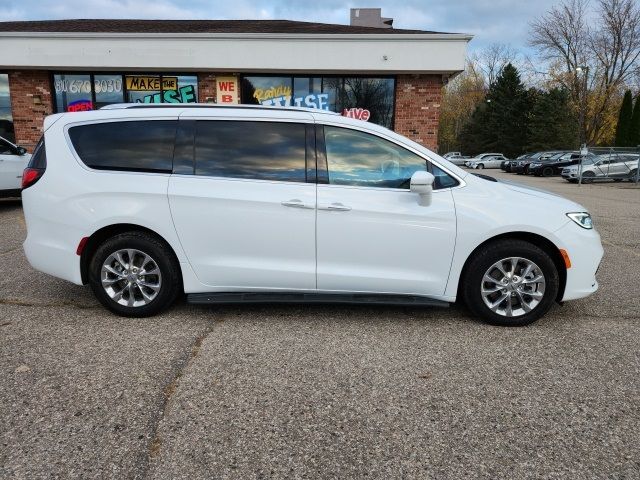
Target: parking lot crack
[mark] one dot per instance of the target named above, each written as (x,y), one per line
(181,366)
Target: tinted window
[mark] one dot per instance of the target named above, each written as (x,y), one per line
(39,157)
(360,159)
(256,150)
(443,179)
(137,146)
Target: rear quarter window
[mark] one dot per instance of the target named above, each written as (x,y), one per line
(141,145)
(39,157)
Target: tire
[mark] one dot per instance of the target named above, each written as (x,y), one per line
(587,177)
(632,175)
(547,172)
(480,166)
(149,299)
(482,263)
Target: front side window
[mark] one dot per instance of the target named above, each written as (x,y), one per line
(145,146)
(251,150)
(361,159)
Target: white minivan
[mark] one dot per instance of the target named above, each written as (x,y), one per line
(258,204)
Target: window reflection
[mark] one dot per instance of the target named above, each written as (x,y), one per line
(73,93)
(361,159)
(336,94)
(135,145)
(108,89)
(255,150)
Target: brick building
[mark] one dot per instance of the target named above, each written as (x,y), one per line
(368,69)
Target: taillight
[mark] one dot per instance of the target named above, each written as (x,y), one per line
(31,176)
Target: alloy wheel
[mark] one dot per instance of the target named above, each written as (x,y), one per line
(513,287)
(130,277)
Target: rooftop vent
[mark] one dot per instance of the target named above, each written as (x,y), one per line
(370,17)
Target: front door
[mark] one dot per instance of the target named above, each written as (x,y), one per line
(372,235)
(246,217)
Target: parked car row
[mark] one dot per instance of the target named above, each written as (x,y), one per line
(566,163)
(615,165)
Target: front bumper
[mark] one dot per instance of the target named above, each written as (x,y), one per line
(585,252)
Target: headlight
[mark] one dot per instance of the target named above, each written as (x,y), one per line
(582,218)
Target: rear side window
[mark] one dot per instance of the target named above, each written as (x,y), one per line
(252,150)
(143,146)
(39,157)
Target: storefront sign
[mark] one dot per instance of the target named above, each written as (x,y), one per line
(80,106)
(357,113)
(72,86)
(227,90)
(149,84)
(186,94)
(280,96)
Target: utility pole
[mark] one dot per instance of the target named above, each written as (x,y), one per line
(583,117)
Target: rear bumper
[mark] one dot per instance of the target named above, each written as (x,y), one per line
(49,257)
(585,252)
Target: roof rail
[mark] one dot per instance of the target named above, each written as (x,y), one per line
(118,106)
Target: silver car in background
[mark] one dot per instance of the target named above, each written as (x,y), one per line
(488,162)
(616,166)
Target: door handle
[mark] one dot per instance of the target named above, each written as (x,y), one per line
(295,203)
(335,206)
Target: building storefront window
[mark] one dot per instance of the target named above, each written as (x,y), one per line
(6,119)
(78,92)
(337,94)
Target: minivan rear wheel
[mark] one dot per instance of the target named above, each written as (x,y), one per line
(134,274)
(510,283)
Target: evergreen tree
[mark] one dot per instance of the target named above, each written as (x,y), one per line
(500,123)
(508,110)
(552,125)
(634,134)
(472,137)
(623,129)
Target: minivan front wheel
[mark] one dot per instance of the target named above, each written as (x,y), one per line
(134,274)
(510,283)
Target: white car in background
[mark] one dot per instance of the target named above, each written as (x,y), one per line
(13,161)
(255,204)
(488,162)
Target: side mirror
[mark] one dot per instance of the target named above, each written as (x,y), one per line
(21,150)
(422,184)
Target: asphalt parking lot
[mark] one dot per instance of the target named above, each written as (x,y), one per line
(322,391)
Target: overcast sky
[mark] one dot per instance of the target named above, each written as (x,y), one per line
(504,21)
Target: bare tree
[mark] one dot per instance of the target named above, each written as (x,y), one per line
(607,45)
(492,59)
